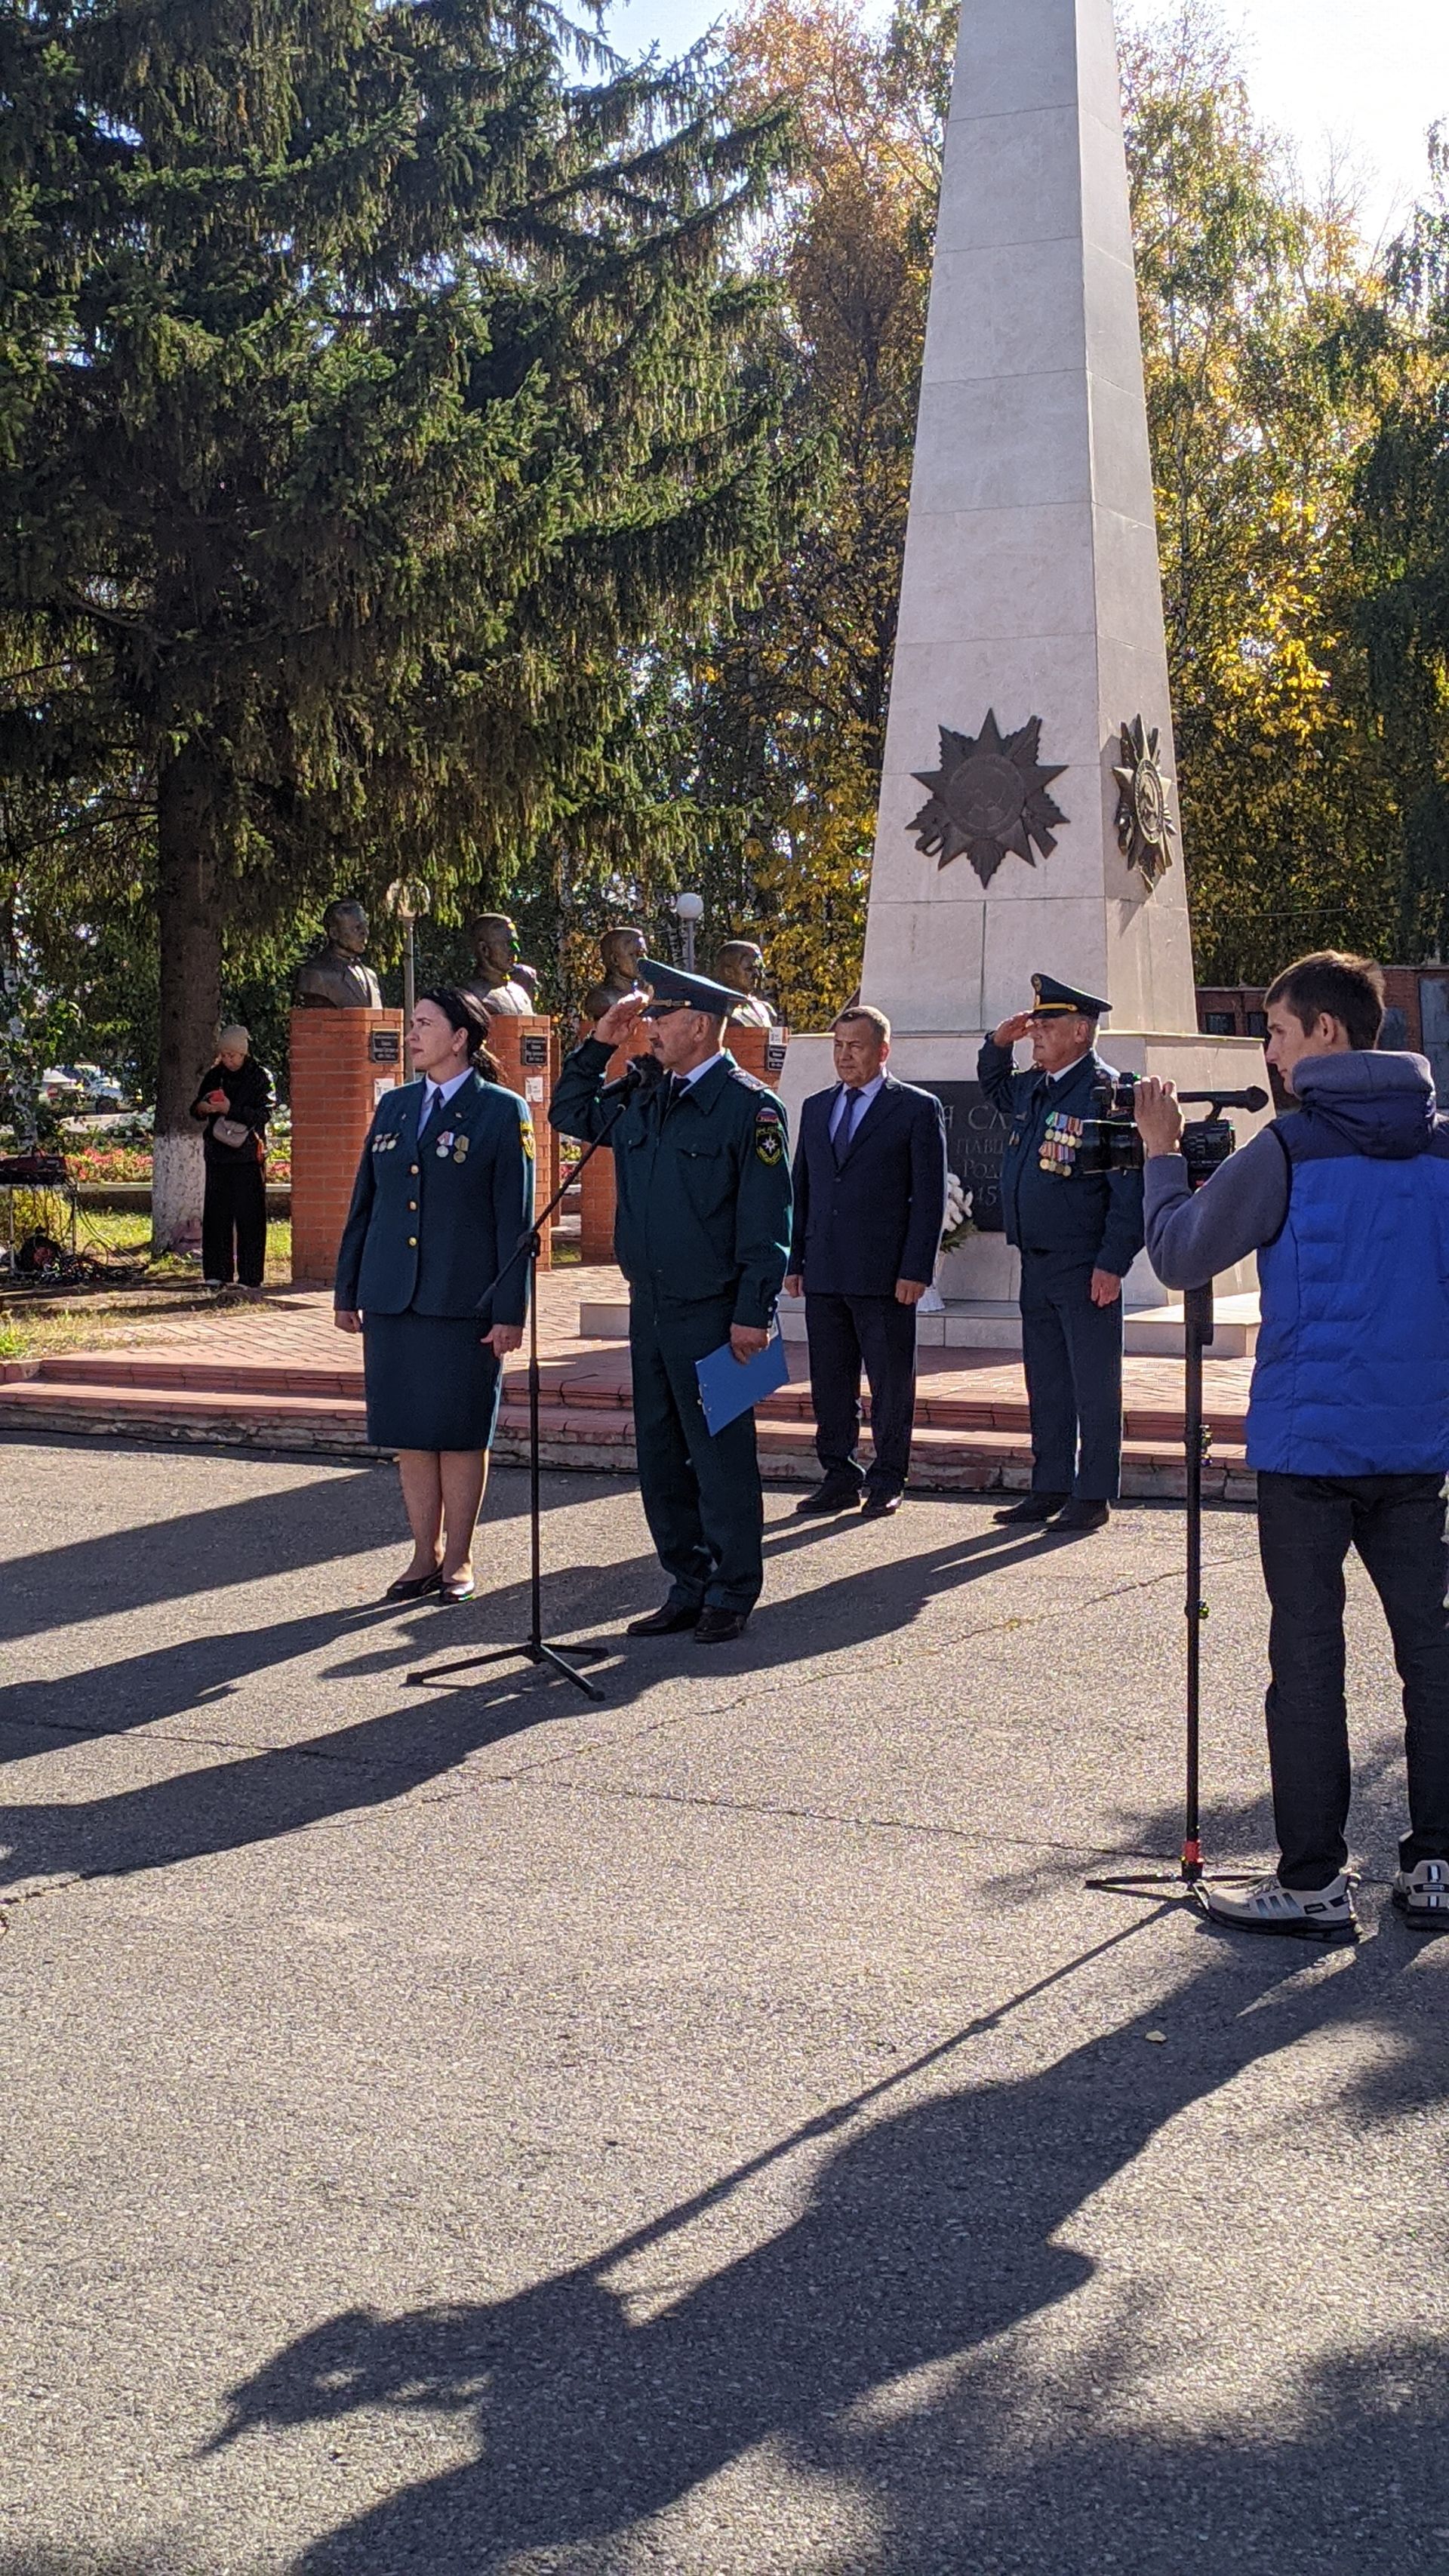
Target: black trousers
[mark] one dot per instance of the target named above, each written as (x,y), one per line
(234,1223)
(700,1489)
(847,1334)
(1306,1526)
(1073,1356)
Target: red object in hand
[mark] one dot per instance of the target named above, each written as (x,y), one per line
(217,1100)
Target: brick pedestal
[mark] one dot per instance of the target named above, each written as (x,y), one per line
(760,1051)
(525,1052)
(342,1063)
(596,1186)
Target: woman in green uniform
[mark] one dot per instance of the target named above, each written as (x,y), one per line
(444,1194)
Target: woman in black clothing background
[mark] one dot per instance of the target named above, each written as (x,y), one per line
(235,1100)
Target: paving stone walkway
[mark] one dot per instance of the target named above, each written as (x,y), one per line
(276,1373)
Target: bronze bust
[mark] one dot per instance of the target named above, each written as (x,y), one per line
(335,977)
(495,955)
(620,949)
(740,964)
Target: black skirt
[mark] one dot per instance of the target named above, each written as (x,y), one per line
(431,1384)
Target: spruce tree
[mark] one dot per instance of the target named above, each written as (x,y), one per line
(377,379)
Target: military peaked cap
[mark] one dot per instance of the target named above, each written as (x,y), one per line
(1053,1001)
(671,985)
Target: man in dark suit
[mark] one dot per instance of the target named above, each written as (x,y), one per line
(870,1194)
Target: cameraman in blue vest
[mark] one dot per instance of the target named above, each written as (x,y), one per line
(1346,1204)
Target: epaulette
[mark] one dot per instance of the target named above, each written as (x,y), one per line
(748,1081)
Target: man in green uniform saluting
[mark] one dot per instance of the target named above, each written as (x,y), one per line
(702,1234)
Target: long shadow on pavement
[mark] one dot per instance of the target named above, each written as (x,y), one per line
(929,2232)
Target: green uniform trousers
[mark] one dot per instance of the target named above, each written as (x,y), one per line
(701,1490)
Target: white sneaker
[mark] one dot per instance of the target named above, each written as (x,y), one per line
(1422,1895)
(1303,1913)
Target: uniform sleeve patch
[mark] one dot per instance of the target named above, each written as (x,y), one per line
(769,1133)
(525,1132)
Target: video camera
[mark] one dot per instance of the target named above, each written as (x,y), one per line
(1111,1142)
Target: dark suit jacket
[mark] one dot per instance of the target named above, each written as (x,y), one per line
(876,1219)
(431,1230)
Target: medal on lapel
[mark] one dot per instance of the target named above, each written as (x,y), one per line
(445,1144)
(460,1150)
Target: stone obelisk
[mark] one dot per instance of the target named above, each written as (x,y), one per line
(1031,593)
(1028,813)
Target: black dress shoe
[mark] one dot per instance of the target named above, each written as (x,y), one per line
(671,1621)
(1080,1517)
(879,1507)
(829,1499)
(414,1589)
(1032,1507)
(720,1627)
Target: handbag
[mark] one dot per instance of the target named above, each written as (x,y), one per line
(230,1131)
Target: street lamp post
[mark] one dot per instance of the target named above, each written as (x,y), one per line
(407,899)
(689,913)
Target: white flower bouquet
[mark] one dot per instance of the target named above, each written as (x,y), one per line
(958,1221)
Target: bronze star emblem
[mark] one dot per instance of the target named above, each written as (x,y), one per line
(988,796)
(1144,826)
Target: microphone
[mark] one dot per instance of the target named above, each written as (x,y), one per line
(639,1074)
(1254,1098)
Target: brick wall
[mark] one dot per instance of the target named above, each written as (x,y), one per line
(336,1082)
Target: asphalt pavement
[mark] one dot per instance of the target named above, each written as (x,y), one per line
(462,2128)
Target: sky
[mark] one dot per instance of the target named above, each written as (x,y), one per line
(1361,80)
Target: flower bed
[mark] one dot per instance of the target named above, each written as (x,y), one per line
(105,1163)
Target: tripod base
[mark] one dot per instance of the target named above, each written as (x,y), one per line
(532,1651)
(1188,1880)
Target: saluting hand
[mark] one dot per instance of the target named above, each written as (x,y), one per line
(1011,1030)
(619,1020)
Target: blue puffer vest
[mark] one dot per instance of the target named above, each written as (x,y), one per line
(1352,1372)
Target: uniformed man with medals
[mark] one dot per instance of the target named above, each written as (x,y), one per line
(702,1233)
(1078,1233)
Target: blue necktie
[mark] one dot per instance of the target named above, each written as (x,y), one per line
(846,1126)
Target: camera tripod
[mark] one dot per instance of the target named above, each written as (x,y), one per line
(534,1648)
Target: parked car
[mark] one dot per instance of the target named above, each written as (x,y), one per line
(101,1090)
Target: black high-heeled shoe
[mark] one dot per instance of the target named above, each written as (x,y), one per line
(413,1588)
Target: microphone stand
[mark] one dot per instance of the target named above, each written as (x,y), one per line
(534,1648)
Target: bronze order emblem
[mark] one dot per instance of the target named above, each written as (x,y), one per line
(1144,825)
(988,796)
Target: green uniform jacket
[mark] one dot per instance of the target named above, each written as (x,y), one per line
(703,1193)
(430,1229)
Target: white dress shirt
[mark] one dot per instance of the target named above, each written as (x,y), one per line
(687,1081)
(436,1095)
(865,1093)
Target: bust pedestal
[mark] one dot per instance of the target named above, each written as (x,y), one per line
(523,1046)
(341,1064)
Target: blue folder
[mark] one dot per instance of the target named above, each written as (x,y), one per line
(728,1387)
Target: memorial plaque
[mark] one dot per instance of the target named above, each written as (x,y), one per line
(976,1137)
(383,1046)
(533,1051)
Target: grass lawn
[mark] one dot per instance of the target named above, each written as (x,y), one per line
(32,1324)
